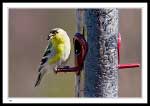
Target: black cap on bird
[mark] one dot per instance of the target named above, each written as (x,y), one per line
(52,33)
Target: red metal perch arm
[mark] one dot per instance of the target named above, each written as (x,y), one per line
(122,66)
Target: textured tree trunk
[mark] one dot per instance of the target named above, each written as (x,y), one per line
(101,72)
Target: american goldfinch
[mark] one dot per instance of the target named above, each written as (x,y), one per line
(57,52)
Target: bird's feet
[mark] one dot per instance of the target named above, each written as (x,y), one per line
(55,69)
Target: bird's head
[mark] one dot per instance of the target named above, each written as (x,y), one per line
(56,33)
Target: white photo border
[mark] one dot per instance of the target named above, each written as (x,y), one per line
(7,6)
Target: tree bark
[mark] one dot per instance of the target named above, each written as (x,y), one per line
(101,63)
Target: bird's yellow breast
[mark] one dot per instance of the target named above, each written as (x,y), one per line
(58,39)
(58,43)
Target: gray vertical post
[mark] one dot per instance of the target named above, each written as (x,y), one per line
(101,72)
(79,17)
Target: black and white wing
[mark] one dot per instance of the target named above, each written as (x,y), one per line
(49,52)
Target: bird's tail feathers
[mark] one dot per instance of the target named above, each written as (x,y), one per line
(40,75)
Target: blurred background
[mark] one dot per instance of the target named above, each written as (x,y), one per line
(28,30)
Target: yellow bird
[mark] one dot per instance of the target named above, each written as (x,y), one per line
(57,52)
